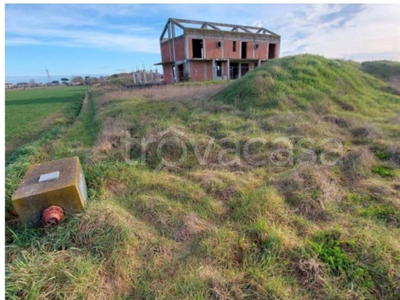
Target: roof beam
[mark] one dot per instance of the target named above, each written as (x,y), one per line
(165,30)
(214,25)
(178,24)
(244,29)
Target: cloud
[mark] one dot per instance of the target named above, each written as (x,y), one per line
(78,26)
(345,14)
(351,31)
(23,41)
(89,39)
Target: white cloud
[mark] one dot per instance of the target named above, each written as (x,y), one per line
(90,39)
(23,41)
(372,32)
(73,26)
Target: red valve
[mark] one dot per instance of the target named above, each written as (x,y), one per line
(52,215)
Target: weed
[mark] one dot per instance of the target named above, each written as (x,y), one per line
(382,155)
(328,248)
(383,171)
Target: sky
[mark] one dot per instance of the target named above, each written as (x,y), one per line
(92,40)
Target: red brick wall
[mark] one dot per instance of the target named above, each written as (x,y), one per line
(211,48)
(165,53)
(180,49)
(196,71)
(261,53)
(209,71)
(167,73)
(228,49)
(213,52)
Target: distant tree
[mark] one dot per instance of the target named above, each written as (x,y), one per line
(93,80)
(102,79)
(55,82)
(116,81)
(65,81)
(78,80)
(87,80)
(32,82)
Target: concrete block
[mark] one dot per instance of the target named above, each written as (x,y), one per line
(55,183)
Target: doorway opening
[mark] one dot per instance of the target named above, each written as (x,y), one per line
(234,70)
(271,51)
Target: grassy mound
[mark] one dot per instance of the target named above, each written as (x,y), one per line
(383,69)
(307,82)
(282,185)
(388,71)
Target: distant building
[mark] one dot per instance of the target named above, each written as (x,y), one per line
(9,86)
(22,85)
(209,51)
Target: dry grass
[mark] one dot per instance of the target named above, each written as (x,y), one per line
(165,92)
(357,164)
(341,122)
(311,273)
(369,131)
(395,81)
(308,188)
(110,137)
(218,284)
(190,226)
(378,188)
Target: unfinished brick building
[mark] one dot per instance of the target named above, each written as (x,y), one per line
(209,51)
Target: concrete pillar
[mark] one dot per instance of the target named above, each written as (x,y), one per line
(169,42)
(205,70)
(222,48)
(204,49)
(187,69)
(240,70)
(228,70)
(186,48)
(214,70)
(173,41)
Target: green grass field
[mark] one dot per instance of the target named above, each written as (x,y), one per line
(289,189)
(31,112)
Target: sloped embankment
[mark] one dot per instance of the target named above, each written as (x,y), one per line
(385,70)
